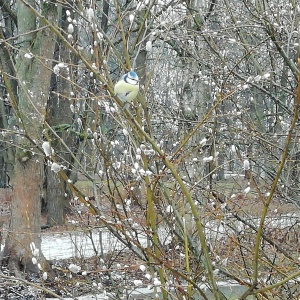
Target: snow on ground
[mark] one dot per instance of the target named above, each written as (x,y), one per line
(80,244)
(86,243)
(217,229)
(231,290)
(87,297)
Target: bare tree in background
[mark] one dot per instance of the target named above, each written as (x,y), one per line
(218,100)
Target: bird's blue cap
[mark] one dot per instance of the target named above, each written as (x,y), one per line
(133,75)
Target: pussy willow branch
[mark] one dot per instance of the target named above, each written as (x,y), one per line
(138,129)
(274,185)
(278,284)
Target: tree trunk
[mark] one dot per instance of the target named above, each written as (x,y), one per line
(55,198)
(24,227)
(34,80)
(6,115)
(58,113)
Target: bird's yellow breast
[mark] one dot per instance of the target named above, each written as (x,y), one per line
(125,91)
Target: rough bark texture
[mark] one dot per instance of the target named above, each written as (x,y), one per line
(58,113)
(25,218)
(55,198)
(34,81)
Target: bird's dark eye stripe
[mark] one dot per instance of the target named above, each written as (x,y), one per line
(127,77)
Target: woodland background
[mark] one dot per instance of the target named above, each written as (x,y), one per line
(205,162)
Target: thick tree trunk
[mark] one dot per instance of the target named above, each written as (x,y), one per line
(25,217)
(33,76)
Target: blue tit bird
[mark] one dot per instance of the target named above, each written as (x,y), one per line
(127,88)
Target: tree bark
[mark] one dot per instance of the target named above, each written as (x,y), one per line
(34,80)
(25,217)
(55,198)
(58,113)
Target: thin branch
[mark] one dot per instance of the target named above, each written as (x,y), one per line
(274,184)
(5,7)
(42,288)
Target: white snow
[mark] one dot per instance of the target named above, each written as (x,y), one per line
(79,244)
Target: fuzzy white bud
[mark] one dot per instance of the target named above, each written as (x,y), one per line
(70,28)
(149,46)
(246,164)
(55,167)
(47,149)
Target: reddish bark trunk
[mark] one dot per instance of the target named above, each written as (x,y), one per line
(25,217)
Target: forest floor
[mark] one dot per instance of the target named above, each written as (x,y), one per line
(92,279)
(61,281)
